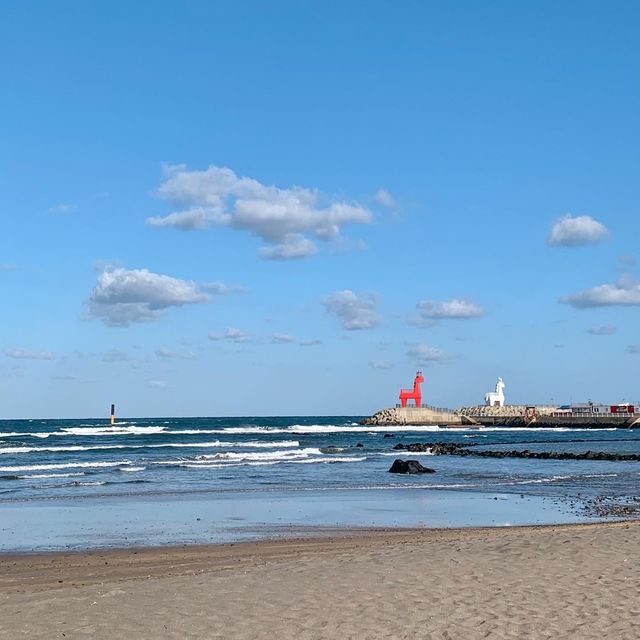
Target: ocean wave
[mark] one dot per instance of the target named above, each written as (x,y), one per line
(63,465)
(375,429)
(40,476)
(110,431)
(278,455)
(127,429)
(229,458)
(330,460)
(404,453)
(313,429)
(86,431)
(268,463)
(558,478)
(195,445)
(543,480)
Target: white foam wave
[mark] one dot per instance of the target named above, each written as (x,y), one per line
(267,455)
(371,429)
(38,476)
(312,429)
(570,477)
(192,432)
(293,429)
(544,480)
(330,460)
(268,463)
(64,465)
(132,469)
(106,447)
(232,458)
(404,453)
(600,475)
(110,431)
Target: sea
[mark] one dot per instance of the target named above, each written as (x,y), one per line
(80,484)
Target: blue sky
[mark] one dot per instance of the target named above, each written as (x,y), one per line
(243,208)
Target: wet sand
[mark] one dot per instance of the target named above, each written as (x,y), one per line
(569,581)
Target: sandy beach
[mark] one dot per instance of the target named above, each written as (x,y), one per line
(572,581)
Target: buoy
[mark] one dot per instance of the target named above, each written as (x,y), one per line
(113,414)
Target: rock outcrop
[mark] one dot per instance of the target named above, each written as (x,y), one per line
(449,449)
(408,466)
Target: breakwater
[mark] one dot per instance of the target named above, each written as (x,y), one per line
(427,416)
(507,416)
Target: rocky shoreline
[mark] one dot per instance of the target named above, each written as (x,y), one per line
(449,449)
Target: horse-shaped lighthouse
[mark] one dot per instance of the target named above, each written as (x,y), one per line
(415,395)
(495,399)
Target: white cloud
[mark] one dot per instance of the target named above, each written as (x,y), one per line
(633,349)
(221,288)
(384,198)
(121,297)
(570,231)
(26,354)
(625,293)
(602,330)
(232,335)
(354,311)
(158,384)
(283,218)
(282,338)
(380,364)
(293,245)
(424,354)
(165,352)
(62,208)
(454,309)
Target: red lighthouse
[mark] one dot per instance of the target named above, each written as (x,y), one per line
(415,394)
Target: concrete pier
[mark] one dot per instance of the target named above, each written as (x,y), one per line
(507,416)
(427,416)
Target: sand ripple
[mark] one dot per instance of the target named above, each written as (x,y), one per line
(547,582)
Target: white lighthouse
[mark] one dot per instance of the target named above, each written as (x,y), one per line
(495,398)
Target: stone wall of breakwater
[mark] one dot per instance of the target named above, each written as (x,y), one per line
(413,415)
(509,416)
(508,411)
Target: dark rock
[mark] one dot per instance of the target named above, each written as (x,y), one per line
(387,435)
(450,449)
(408,466)
(330,449)
(359,445)
(417,447)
